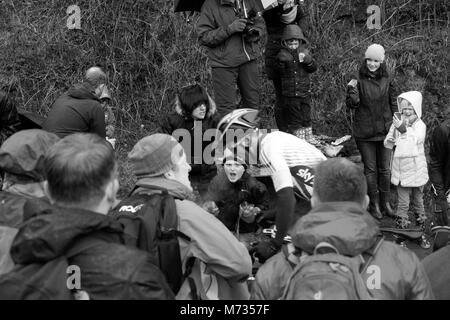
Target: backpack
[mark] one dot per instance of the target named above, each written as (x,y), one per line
(328,275)
(151,224)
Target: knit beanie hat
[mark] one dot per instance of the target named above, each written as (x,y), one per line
(375,52)
(155,155)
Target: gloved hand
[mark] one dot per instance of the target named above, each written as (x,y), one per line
(399,124)
(237,25)
(305,57)
(265,249)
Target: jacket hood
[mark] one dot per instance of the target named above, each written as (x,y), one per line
(51,233)
(345,225)
(293,31)
(415,98)
(187,113)
(82,91)
(175,188)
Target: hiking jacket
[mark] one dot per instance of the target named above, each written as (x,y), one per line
(222,263)
(229,196)
(226,50)
(374,102)
(77,110)
(110,270)
(439,164)
(410,171)
(275,27)
(182,119)
(294,74)
(9,117)
(352,231)
(436,267)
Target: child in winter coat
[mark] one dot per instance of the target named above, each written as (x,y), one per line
(409,165)
(236,198)
(294,64)
(195,112)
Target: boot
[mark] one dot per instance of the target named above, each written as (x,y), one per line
(385,204)
(374,207)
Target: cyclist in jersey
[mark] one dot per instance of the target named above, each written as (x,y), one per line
(288,160)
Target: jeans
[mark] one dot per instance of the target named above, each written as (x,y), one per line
(407,194)
(376,159)
(246,77)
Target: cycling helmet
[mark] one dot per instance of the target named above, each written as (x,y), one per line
(237,119)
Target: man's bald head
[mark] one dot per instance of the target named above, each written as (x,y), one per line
(339,179)
(95,76)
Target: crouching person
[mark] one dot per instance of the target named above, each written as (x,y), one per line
(82,184)
(339,218)
(222,264)
(236,198)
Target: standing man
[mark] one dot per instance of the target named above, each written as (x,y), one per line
(80,109)
(439,169)
(230,29)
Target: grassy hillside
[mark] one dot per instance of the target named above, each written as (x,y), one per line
(149,52)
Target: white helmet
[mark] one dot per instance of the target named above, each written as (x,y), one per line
(237,119)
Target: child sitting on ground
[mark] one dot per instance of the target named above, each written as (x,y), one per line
(409,165)
(236,198)
(294,64)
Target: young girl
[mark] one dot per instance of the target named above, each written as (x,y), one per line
(373,98)
(295,63)
(193,108)
(409,165)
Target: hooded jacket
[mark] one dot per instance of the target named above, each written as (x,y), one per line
(222,263)
(439,164)
(228,196)
(374,102)
(226,50)
(294,74)
(109,269)
(77,110)
(352,231)
(409,171)
(182,119)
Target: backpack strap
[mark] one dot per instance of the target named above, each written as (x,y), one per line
(370,254)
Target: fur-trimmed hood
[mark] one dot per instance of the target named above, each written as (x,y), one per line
(380,73)
(185,113)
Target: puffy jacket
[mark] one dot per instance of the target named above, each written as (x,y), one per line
(182,119)
(109,269)
(77,110)
(228,196)
(223,264)
(410,171)
(225,49)
(9,117)
(294,74)
(352,231)
(374,102)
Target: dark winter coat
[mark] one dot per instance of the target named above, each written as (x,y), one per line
(182,119)
(439,165)
(225,49)
(109,269)
(9,118)
(374,101)
(228,197)
(352,231)
(77,110)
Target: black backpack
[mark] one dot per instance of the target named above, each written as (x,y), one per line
(151,224)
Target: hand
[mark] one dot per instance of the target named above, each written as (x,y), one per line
(265,249)
(353,83)
(397,122)
(237,25)
(211,207)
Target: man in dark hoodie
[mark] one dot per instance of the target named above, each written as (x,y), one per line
(82,184)
(339,217)
(80,109)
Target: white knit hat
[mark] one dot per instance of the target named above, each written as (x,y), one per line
(375,52)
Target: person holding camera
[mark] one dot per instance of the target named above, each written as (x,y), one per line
(230,30)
